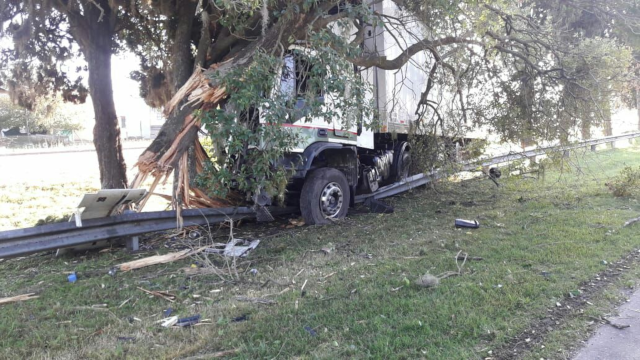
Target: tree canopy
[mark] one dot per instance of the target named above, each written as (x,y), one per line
(534,70)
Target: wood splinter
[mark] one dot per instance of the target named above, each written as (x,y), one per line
(23,297)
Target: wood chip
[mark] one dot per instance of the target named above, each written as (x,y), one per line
(158,259)
(23,297)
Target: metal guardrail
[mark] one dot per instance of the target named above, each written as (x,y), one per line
(60,235)
(423,179)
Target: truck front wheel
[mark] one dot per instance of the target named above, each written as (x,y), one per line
(325,196)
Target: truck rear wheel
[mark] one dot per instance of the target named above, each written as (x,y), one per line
(325,196)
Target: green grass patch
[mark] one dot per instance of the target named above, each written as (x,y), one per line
(539,239)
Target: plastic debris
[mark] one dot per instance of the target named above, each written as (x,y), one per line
(113,271)
(72,277)
(235,248)
(471,224)
(240,318)
(311,331)
(188,321)
(167,312)
(168,322)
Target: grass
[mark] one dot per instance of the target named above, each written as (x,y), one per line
(539,240)
(50,185)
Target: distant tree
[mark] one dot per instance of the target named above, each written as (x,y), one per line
(46,34)
(47,115)
(12,115)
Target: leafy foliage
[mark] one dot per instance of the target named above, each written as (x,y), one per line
(626,184)
(247,133)
(48,115)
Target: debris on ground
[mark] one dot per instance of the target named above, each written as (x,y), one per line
(295,223)
(240,318)
(161,294)
(471,224)
(168,322)
(235,248)
(311,331)
(157,259)
(609,322)
(327,249)
(72,277)
(126,339)
(23,297)
(427,280)
(631,222)
(188,321)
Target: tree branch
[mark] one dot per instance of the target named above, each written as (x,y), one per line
(383,63)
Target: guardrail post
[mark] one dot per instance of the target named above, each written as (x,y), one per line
(612,145)
(566,153)
(133,243)
(593,148)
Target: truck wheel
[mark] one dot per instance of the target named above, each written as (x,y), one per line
(325,196)
(402,161)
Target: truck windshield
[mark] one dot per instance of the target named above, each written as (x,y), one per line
(294,83)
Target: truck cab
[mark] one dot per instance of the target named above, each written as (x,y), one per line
(334,160)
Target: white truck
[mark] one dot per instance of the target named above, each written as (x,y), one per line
(332,164)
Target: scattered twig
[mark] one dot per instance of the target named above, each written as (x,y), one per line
(124,302)
(617,326)
(160,294)
(303,285)
(23,297)
(328,276)
(609,322)
(299,272)
(158,259)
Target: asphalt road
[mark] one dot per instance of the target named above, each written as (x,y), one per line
(611,343)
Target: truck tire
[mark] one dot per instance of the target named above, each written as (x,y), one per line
(402,162)
(325,196)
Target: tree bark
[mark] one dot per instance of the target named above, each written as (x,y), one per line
(106,132)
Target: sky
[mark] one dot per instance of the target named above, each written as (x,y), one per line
(126,97)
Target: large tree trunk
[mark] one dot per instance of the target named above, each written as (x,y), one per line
(106,132)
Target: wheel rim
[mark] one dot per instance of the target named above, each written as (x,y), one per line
(331,200)
(406,166)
